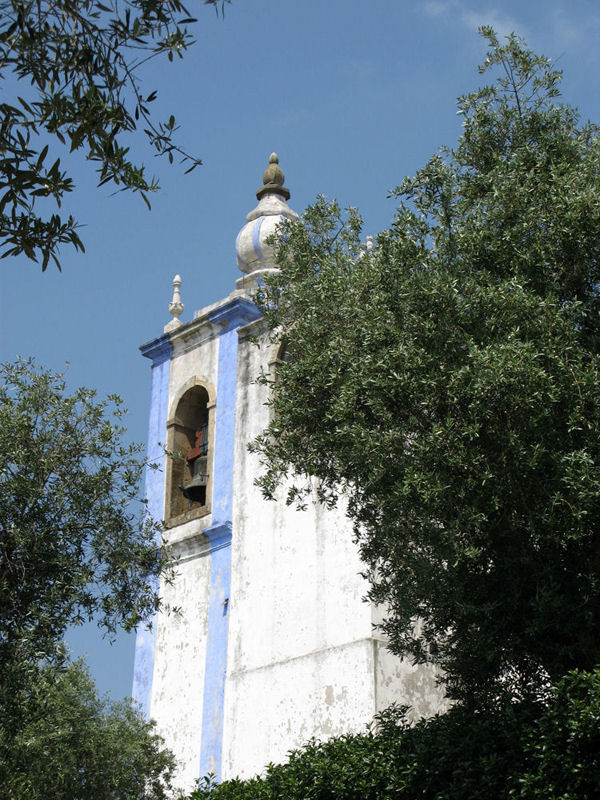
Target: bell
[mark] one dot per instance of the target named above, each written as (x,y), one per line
(195,490)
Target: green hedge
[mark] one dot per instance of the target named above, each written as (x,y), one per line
(563,746)
(515,752)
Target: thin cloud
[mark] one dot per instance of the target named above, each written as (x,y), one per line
(502,25)
(472,19)
(561,27)
(439,8)
(571,33)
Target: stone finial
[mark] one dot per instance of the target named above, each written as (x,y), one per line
(254,253)
(175,306)
(273,180)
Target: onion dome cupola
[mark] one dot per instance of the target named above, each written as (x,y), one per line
(252,251)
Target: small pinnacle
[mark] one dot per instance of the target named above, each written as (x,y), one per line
(175,306)
(273,179)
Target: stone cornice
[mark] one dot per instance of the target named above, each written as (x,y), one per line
(236,312)
(158,350)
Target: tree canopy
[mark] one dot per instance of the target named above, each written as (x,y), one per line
(73,545)
(59,739)
(79,65)
(447,383)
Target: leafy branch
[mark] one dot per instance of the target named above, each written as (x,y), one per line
(81,59)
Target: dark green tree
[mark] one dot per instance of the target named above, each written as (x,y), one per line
(79,65)
(73,546)
(562,747)
(447,384)
(58,739)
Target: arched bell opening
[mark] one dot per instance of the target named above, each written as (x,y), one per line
(189,441)
(279,355)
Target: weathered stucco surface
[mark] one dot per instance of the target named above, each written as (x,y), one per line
(178,682)
(303,658)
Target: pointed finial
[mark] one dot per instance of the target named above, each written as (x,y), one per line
(175,306)
(253,248)
(273,179)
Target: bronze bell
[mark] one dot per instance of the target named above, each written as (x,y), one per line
(195,490)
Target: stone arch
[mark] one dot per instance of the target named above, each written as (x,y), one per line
(190,444)
(196,380)
(278,354)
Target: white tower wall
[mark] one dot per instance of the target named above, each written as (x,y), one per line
(273,643)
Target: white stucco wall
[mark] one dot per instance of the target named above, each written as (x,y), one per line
(195,354)
(304,660)
(178,681)
(280,706)
(303,657)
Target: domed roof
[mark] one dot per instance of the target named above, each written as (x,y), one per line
(252,251)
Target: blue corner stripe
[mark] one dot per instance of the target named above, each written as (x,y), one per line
(159,351)
(215,667)
(230,316)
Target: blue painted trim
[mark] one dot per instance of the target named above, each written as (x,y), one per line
(159,351)
(233,314)
(216,651)
(230,317)
(219,536)
(256,238)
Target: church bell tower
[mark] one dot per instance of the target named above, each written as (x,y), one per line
(272,643)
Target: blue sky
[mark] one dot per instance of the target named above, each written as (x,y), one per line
(353,96)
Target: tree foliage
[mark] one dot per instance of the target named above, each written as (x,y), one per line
(447,382)
(58,739)
(562,747)
(81,61)
(72,546)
